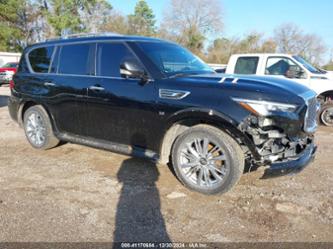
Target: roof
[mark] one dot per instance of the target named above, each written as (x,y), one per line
(96,37)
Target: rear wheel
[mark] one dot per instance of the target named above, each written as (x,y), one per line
(326,114)
(38,128)
(207,159)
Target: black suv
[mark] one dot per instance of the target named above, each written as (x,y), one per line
(152,98)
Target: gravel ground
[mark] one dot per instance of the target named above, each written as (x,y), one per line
(76,193)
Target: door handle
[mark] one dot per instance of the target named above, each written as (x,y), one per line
(96,88)
(49,84)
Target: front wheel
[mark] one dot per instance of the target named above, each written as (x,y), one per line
(326,114)
(207,160)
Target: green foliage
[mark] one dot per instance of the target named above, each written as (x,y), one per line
(186,22)
(64,15)
(142,22)
(12,17)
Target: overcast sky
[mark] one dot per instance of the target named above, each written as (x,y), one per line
(243,16)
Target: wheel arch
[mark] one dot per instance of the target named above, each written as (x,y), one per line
(180,122)
(26,105)
(325,95)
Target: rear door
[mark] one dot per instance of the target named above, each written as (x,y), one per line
(71,75)
(120,110)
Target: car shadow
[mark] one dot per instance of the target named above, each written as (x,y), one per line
(3,100)
(138,214)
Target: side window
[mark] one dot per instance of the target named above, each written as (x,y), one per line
(278,66)
(110,56)
(74,59)
(246,65)
(40,59)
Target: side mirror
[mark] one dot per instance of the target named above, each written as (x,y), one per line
(131,68)
(295,72)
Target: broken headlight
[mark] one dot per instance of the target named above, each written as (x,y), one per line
(264,108)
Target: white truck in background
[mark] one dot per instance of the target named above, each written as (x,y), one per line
(289,66)
(6,57)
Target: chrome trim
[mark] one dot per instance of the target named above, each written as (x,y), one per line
(172,94)
(49,84)
(96,88)
(58,45)
(308,96)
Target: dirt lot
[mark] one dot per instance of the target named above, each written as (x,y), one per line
(76,193)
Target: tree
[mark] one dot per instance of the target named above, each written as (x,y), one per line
(142,22)
(292,40)
(116,23)
(189,22)
(66,16)
(20,24)
(97,16)
(223,48)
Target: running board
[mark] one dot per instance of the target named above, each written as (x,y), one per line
(110,146)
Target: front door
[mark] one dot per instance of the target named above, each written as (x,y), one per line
(120,110)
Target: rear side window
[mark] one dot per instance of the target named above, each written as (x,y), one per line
(110,56)
(246,65)
(40,59)
(74,59)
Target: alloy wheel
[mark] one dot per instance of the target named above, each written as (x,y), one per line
(203,162)
(327,116)
(35,129)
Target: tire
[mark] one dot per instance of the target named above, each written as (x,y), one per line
(38,128)
(326,114)
(221,169)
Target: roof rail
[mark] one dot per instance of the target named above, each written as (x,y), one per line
(79,35)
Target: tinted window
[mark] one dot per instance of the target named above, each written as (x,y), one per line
(74,59)
(278,65)
(40,59)
(173,59)
(246,65)
(109,58)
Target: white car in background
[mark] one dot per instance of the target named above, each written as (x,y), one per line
(289,66)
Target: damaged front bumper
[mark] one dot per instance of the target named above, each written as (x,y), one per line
(293,165)
(282,144)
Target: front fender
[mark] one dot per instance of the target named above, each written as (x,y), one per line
(200,113)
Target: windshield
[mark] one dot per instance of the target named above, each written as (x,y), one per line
(172,59)
(307,65)
(10,64)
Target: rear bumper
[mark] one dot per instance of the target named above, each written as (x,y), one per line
(294,165)
(13,107)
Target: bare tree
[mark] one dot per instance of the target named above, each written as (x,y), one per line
(97,16)
(189,22)
(223,48)
(291,39)
(116,23)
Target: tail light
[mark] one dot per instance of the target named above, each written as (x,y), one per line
(11,84)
